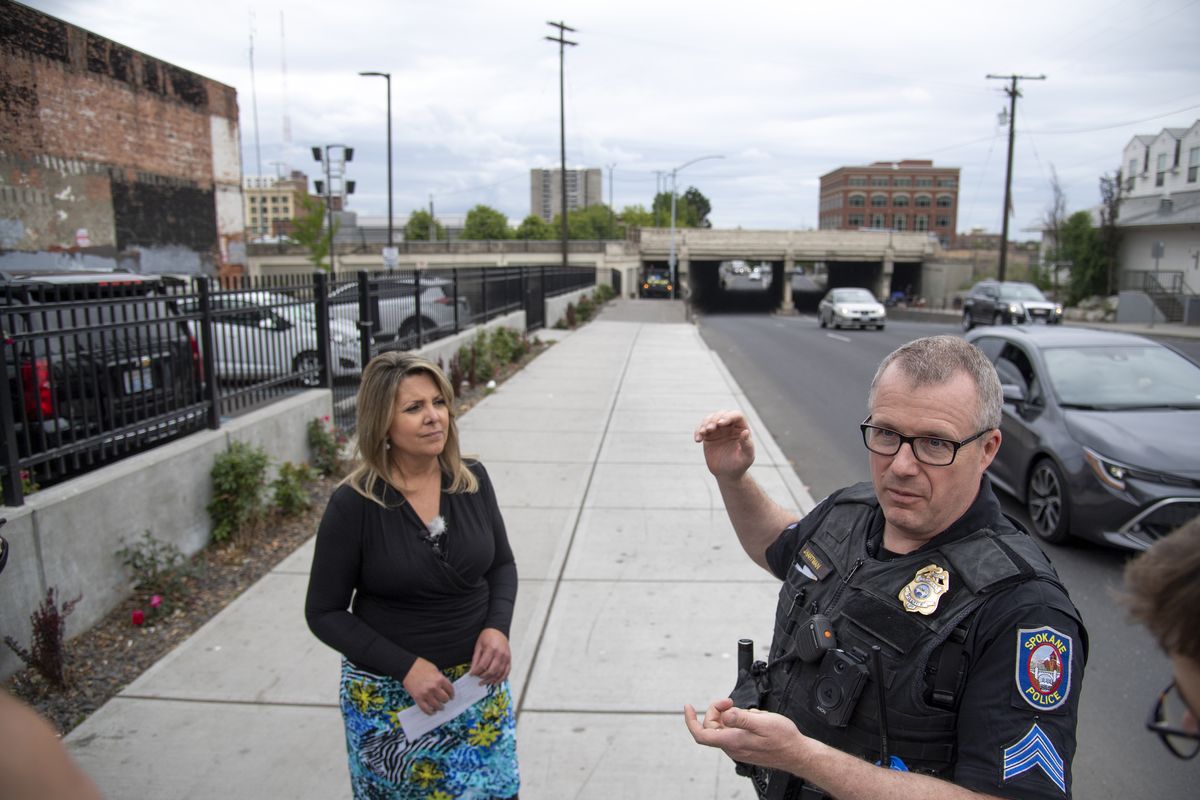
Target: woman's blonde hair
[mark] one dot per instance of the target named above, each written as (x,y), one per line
(376,405)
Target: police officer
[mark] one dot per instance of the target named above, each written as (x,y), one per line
(923,643)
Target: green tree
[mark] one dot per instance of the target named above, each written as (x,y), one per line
(699,205)
(485,222)
(593,222)
(308,231)
(419,225)
(1081,246)
(636,216)
(535,228)
(1110,234)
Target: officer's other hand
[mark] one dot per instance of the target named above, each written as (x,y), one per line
(752,737)
(728,447)
(428,686)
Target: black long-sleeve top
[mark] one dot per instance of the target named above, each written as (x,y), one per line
(408,601)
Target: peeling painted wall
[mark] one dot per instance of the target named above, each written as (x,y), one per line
(110,154)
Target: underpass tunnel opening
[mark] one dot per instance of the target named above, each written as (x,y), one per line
(738,285)
(906,282)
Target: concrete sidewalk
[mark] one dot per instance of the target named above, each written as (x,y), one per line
(633,593)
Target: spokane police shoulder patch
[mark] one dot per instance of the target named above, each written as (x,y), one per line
(1043,668)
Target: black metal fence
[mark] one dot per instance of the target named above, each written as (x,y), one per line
(101,368)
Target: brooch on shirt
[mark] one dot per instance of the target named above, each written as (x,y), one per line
(925,590)
(435,533)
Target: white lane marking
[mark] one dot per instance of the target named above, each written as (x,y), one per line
(839,337)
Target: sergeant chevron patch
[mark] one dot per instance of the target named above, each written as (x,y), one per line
(1034,749)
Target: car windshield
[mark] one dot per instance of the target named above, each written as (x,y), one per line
(853,296)
(1133,376)
(1020,291)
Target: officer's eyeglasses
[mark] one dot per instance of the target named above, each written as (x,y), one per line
(931,450)
(1166,719)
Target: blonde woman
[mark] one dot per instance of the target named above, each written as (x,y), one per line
(414,582)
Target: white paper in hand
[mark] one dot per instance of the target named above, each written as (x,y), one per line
(468,690)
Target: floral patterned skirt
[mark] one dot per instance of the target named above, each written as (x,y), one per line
(472,757)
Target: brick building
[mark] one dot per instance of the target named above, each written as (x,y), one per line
(112,158)
(910,195)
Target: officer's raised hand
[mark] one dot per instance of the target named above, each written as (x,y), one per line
(728,447)
(751,737)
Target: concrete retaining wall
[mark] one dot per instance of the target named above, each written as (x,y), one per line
(67,536)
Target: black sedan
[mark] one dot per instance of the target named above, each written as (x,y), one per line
(1101,432)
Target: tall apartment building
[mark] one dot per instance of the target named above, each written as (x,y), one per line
(584,188)
(909,195)
(272,200)
(112,158)
(1160,206)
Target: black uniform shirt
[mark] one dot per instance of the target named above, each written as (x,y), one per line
(1011,742)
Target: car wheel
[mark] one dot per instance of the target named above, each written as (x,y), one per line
(1046,502)
(821,319)
(967,322)
(408,331)
(879,327)
(997,318)
(309,366)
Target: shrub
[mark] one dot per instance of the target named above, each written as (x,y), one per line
(572,320)
(507,345)
(456,372)
(484,365)
(28,486)
(289,491)
(239,478)
(325,441)
(604,293)
(158,567)
(47,655)
(586,308)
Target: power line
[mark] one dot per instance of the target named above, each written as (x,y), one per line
(1119,124)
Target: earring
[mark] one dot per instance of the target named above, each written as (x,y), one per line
(387,445)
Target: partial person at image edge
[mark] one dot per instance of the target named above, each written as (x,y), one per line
(414,582)
(980,650)
(1163,593)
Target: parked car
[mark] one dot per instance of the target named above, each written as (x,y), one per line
(98,365)
(1100,432)
(657,284)
(397,315)
(260,334)
(1008,302)
(851,306)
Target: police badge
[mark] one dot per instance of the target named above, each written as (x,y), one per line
(923,592)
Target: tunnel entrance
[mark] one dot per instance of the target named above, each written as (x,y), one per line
(745,286)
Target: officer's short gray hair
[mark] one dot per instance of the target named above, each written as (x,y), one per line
(936,359)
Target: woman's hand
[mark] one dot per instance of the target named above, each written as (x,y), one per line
(428,686)
(492,658)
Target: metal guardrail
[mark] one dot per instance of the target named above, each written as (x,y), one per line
(96,373)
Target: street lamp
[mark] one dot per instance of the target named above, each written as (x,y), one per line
(674,277)
(388,77)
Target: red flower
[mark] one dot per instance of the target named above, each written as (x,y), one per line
(139,616)
(156,601)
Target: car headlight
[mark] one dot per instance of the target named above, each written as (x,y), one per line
(1015,308)
(1058,309)
(1110,473)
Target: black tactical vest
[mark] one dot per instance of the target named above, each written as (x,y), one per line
(860,596)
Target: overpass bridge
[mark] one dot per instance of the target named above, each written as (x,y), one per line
(878,260)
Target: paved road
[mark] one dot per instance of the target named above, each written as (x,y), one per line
(809,385)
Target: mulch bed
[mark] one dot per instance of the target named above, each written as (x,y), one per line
(114,652)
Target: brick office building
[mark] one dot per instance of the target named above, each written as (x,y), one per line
(112,158)
(910,195)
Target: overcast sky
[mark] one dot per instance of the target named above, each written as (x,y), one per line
(785,90)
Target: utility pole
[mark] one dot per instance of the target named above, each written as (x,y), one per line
(611,229)
(1013,94)
(432,221)
(562,124)
(388,77)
